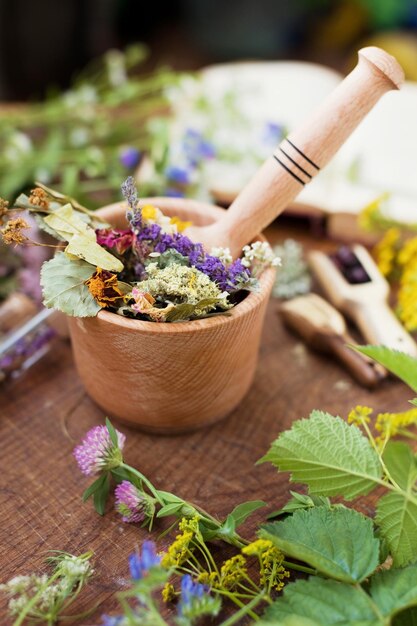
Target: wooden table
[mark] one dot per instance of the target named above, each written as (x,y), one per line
(46,412)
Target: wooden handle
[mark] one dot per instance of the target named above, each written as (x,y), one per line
(366,372)
(379,326)
(301,156)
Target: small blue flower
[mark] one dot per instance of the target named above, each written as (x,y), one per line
(179,175)
(272,133)
(190,592)
(110,620)
(196,147)
(129,157)
(141,563)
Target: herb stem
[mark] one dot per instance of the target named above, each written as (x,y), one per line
(246,609)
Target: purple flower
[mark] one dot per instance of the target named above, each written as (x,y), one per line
(141,563)
(134,216)
(228,277)
(129,157)
(179,175)
(272,133)
(131,503)
(196,147)
(171,192)
(97,452)
(191,593)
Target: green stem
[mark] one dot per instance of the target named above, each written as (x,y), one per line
(32,602)
(245,610)
(299,568)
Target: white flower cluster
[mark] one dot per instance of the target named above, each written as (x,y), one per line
(258,256)
(223,254)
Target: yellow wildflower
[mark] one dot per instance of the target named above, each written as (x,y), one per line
(232,572)
(408,252)
(407,294)
(39,198)
(211,579)
(360,415)
(181,226)
(370,216)
(149,212)
(190,524)
(168,593)
(179,550)
(256,548)
(12,232)
(388,424)
(386,251)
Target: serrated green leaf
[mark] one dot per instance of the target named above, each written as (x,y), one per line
(112,432)
(300,501)
(241,512)
(396,513)
(330,456)
(394,590)
(63,286)
(327,602)
(402,365)
(338,542)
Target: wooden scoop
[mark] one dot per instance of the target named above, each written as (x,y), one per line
(303,153)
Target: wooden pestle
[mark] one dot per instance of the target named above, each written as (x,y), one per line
(303,153)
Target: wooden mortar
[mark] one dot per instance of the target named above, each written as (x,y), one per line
(170,378)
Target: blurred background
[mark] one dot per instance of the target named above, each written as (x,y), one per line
(43,44)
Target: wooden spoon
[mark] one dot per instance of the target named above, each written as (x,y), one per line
(303,153)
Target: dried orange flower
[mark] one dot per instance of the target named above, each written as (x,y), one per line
(38,198)
(12,232)
(103,287)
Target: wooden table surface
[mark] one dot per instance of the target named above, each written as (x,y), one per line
(46,412)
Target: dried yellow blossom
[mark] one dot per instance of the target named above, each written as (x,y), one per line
(12,232)
(168,593)
(103,286)
(181,226)
(360,415)
(39,198)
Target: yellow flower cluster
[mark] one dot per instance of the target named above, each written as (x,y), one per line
(407,293)
(371,216)
(389,424)
(168,593)
(360,415)
(179,550)
(232,572)
(386,251)
(211,579)
(273,573)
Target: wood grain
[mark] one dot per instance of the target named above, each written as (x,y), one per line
(44,414)
(304,152)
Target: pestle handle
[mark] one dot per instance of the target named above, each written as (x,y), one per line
(305,151)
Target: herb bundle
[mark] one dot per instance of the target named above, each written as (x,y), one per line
(148,271)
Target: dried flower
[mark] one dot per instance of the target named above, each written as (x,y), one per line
(12,232)
(141,563)
(39,198)
(97,453)
(103,286)
(115,238)
(4,207)
(258,256)
(133,505)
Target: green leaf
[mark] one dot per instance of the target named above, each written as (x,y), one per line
(330,456)
(96,485)
(396,513)
(63,286)
(394,590)
(299,501)
(100,496)
(112,432)
(338,542)
(402,365)
(169,509)
(326,602)
(242,511)
(290,620)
